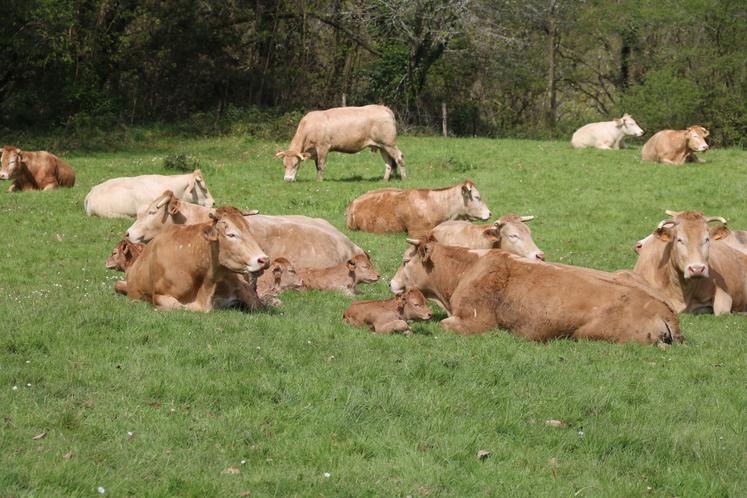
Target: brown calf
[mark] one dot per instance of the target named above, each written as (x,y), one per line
(389,315)
(343,277)
(34,170)
(123,255)
(278,277)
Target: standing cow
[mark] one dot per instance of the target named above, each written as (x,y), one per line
(34,170)
(415,210)
(344,129)
(606,134)
(676,146)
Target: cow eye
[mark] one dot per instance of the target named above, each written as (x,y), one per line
(680,240)
(477,198)
(151,212)
(513,236)
(232,235)
(706,240)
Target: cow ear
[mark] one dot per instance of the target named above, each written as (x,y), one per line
(211,233)
(492,234)
(173,205)
(619,122)
(350,264)
(126,250)
(664,230)
(304,156)
(399,299)
(425,251)
(467,190)
(277,269)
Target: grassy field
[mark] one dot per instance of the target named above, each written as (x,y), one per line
(293,402)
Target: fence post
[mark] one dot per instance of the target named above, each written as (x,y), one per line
(344,100)
(444,129)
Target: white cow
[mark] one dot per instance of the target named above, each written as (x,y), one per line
(606,134)
(125,197)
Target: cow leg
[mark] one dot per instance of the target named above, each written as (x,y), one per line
(13,187)
(247,294)
(120,287)
(394,159)
(389,327)
(49,186)
(388,164)
(321,164)
(165,302)
(722,302)
(464,326)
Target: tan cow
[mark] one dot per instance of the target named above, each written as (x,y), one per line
(343,277)
(488,289)
(280,276)
(123,255)
(199,267)
(34,170)
(344,129)
(389,315)
(695,275)
(606,134)
(306,242)
(415,211)
(127,196)
(676,146)
(509,233)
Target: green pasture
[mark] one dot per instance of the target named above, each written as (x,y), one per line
(293,402)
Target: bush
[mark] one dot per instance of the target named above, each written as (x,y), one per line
(181,162)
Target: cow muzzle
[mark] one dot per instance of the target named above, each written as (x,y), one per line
(258,263)
(696,271)
(4,175)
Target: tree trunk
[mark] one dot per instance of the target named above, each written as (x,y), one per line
(551,112)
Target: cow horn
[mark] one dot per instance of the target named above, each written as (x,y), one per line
(250,212)
(671,213)
(280,153)
(665,222)
(527,218)
(162,202)
(414,242)
(716,218)
(300,156)
(213,216)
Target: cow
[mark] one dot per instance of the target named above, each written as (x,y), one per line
(123,255)
(280,276)
(697,276)
(306,242)
(199,267)
(127,196)
(415,211)
(509,233)
(676,146)
(389,315)
(606,134)
(39,170)
(343,277)
(344,129)
(489,288)
(736,239)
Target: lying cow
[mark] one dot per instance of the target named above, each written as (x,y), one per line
(199,267)
(344,129)
(415,210)
(676,146)
(305,242)
(123,255)
(280,276)
(488,289)
(34,170)
(509,233)
(736,239)
(343,277)
(606,134)
(127,196)
(389,315)
(697,276)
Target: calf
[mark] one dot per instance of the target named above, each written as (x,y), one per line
(389,315)
(343,277)
(509,233)
(278,277)
(606,134)
(676,146)
(415,210)
(487,289)
(123,255)
(199,267)
(34,170)
(697,276)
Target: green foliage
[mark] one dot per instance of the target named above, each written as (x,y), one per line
(181,162)
(288,395)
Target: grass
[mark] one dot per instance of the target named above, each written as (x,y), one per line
(295,393)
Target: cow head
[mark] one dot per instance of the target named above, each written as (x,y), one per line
(412,305)
(11,162)
(474,207)
(628,125)
(642,243)
(364,271)
(123,255)
(696,136)
(688,236)
(284,275)
(416,266)
(163,211)
(237,249)
(292,161)
(198,191)
(511,234)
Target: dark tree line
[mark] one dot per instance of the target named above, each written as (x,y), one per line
(504,68)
